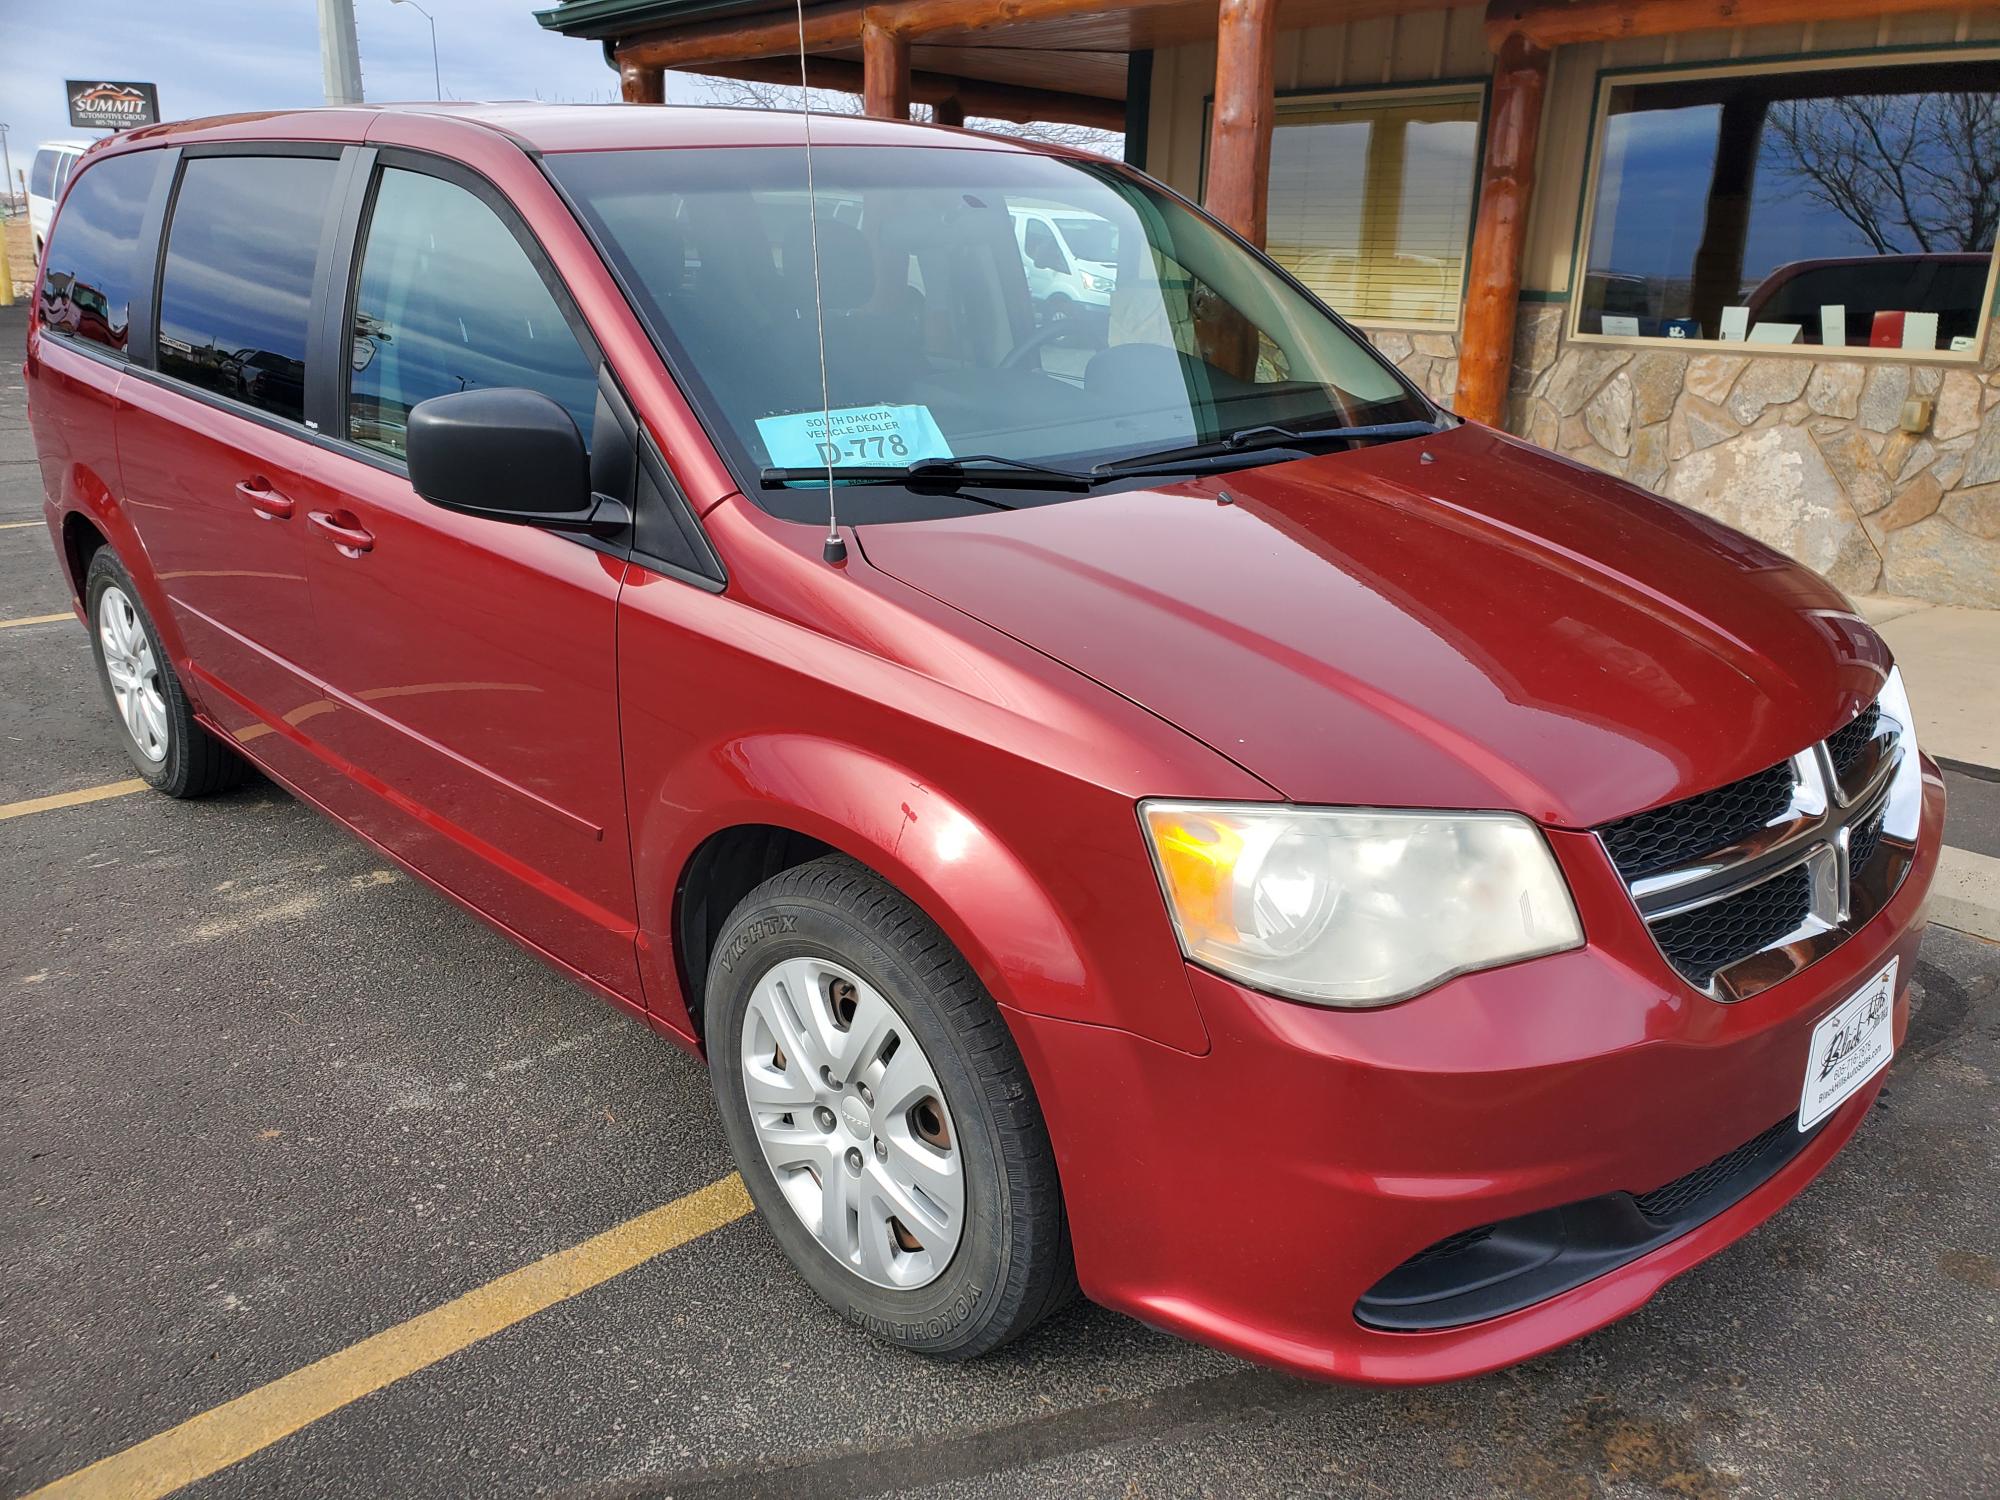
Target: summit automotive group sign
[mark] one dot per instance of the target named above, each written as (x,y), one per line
(96,105)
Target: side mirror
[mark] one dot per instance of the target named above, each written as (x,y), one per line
(507,454)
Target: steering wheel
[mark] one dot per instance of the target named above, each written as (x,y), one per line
(1037,341)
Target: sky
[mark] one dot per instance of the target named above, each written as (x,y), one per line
(217,56)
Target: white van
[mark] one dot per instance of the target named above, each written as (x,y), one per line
(1071,259)
(53,161)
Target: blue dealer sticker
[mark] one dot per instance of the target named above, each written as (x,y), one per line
(853,436)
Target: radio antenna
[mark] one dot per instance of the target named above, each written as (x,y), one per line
(835,548)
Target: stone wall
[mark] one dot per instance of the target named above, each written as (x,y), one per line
(1429,359)
(1806,454)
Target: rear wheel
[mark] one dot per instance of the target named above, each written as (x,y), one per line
(172,752)
(881,1114)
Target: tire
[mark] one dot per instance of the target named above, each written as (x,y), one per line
(977,1277)
(173,753)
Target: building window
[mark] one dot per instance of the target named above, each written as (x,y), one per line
(1851,207)
(1371,202)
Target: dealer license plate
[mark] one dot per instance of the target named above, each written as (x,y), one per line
(1849,1047)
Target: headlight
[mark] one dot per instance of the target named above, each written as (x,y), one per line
(1095,283)
(1356,908)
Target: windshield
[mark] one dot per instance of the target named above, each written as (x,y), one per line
(944,338)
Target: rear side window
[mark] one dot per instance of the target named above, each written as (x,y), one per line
(95,265)
(447,300)
(236,290)
(43,183)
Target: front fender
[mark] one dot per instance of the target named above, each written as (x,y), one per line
(1050,898)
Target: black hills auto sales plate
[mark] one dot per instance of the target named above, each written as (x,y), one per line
(1849,1047)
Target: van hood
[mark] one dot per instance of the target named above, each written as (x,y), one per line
(1455,621)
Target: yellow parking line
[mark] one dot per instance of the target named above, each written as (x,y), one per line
(70,799)
(229,1433)
(68,614)
(17,525)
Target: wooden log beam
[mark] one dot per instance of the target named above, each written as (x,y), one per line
(885,71)
(1506,189)
(974,96)
(833,26)
(638,84)
(1239,137)
(1557,23)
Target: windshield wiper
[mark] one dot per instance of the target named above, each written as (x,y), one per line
(984,469)
(1264,437)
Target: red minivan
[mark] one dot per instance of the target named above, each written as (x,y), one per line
(1148,804)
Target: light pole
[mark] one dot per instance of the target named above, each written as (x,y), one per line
(7,155)
(437,78)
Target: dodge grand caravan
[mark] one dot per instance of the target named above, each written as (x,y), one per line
(1150,805)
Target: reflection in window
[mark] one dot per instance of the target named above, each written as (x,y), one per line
(1371,204)
(1851,206)
(236,290)
(93,256)
(449,301)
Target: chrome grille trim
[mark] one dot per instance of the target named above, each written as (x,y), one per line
(1884,779)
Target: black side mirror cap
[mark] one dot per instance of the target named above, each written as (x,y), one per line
(507,454)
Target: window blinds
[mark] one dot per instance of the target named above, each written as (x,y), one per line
(1371,204)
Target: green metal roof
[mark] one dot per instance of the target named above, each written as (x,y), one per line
(622,18)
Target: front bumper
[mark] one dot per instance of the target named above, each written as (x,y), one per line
(1250,1197)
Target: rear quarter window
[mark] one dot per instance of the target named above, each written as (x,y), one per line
(42,182)
(95,265)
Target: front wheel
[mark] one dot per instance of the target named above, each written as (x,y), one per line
(882,1116)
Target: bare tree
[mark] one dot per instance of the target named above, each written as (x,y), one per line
(1912,172)
(740,93)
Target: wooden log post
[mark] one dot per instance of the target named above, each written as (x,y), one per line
(1506,190)
(885,69)
(639,84)
(1239,137)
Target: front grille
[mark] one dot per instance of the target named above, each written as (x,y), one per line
(1711,937)
(1452,1244)
(1650,842)
(1701,870)
(1847,745)
(1863,839)
(1668,1203)
(1501,1268)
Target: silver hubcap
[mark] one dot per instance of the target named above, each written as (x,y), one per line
(134,674)
(852,1122)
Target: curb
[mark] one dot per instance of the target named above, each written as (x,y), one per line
(1966,894)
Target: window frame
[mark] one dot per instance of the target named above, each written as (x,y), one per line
(1477,86)
(1887,57)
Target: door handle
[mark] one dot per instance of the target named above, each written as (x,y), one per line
(264,500)
(351,540)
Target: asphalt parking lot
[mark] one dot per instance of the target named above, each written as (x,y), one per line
(263,1098)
